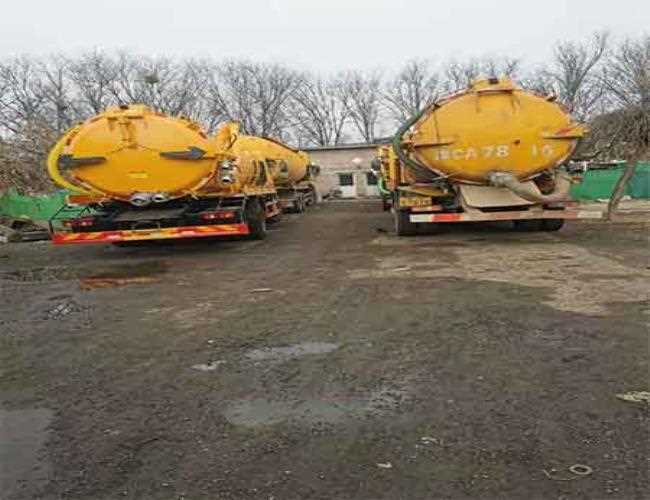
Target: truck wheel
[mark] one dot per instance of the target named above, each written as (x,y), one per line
(299,204)
(256,220)
(552,224)
(403,224)
(528,225)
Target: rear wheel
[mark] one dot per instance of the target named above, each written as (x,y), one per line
(256,220)
(403,224)
(299,204)
(528,225)
(552,224)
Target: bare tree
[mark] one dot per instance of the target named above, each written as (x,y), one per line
(626,75)
(21,102)
(255,94)
(91,77)
(321,111)
(627,78)
(363,99)
(460,75)
(59,107)
(415,87)
(574,74)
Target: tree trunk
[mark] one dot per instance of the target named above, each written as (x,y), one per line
(619,188)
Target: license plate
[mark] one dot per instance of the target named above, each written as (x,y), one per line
(414,201)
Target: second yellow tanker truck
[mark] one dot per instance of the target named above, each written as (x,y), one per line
(142,175)
(291,170)
(492,152)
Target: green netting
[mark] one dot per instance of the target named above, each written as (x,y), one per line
(36,208)
(639,186)
(599,184)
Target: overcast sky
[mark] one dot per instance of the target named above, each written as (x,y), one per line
(315,34)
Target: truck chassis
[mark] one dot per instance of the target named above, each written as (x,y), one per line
(296,199)
(118,222)
(413,212)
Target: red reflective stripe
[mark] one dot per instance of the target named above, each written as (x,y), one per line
(446,217)
(149,234)
(505,216)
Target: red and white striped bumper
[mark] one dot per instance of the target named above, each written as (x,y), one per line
(477,216)
(64,238)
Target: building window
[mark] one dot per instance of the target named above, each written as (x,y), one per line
(346,180)
(371,179)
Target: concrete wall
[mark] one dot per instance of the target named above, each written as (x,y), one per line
(344,160)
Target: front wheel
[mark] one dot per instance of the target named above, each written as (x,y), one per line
(256,220)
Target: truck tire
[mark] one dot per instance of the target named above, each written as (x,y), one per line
(403,224)
(552,224)
(528,225)
(299,204)
(256,220)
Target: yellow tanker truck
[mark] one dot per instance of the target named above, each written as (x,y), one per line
(291,170)
(491,152)
(141,175)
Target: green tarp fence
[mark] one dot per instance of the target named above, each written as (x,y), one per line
(36,208)
(599,183)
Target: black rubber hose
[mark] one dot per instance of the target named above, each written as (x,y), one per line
(397,147)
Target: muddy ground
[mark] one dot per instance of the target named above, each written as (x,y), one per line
(331,361)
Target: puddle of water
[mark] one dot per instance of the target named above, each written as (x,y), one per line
(208,367)
(262,412)
(22,436)
(124,274)
(92,283)
(58,273)
(292,351)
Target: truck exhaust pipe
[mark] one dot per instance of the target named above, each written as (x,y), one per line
(523,190)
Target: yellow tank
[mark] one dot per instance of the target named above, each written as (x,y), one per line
(286,166)
(133,153)
(492,126)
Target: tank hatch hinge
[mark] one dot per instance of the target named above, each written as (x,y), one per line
(193,153)
(68,161)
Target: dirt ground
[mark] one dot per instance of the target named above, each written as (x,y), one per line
(331,361)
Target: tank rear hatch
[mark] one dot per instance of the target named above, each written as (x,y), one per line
(493,126)
(133,151)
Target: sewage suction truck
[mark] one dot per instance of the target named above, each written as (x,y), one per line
(491,152)
(141,175)
(291,170)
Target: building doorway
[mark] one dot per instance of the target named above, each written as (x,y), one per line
(346,185)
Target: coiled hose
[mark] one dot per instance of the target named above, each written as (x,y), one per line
(416,166)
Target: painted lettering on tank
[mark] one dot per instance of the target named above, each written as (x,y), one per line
(546,150)
(473,153)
